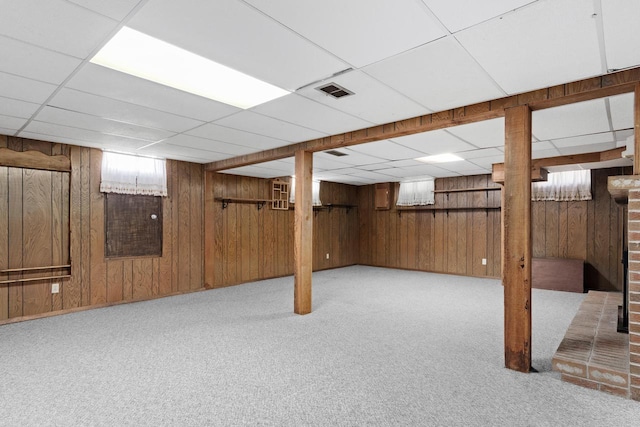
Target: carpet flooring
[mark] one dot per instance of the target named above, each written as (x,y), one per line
(382,348)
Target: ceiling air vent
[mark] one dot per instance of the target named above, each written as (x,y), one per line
(336,153)
(334,90)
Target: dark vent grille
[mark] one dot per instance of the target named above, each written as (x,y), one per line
(335,90)
(336,153)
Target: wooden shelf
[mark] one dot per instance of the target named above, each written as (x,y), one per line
(226,200)
(465,190)
(456,208)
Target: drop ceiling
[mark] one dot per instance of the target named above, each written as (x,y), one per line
(401,59)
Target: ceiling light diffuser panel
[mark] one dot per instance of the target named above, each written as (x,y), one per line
(140,55)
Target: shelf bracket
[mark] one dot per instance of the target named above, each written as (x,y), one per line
(260,204)
(225,203)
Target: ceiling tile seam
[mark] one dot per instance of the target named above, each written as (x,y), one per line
(298,35)
(325,134)
(110,119)
(198,149)
(132,104)
(85,61)
(402,94)
(95,12)
(202,139)
(486,73)
(95,131)
(599,22)
(322,105)
(213,122)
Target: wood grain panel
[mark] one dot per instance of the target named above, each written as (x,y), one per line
(115,280)
(97,241)
(539,229)
(174,185)
(4,235)
(72,293)
(552,213)
(196,226)
(577,230)
(184,227)
(15,240)
(85,224)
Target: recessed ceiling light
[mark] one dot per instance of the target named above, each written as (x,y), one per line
(440,158)
(140,55)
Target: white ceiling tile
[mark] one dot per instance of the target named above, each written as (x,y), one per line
(414,172)
(439,75)
(235,34)
(590,148)
(327,162)
(257,171)
(434,142)
(547,43)
(380,166)
(372,100)
(387,150)
(542,146)
(171,151)
(402,163)
(357,35)
(373,176)
(115,9)
(22,89)
(571,120)
(488,162)
(482,152)
(621,111)
(575,141)
(87,136)
(268,126)
(543,154)
(621,33)
(97,124)
(55,24)
(105,82)
(460,166)
(5,131)
(62,140)
(304,112)
(484,134)
(12,123)
(457,15)
(26,60)
(352,157)
(121,111)
(622,135)
(183,140)
(15,108)
(238,137)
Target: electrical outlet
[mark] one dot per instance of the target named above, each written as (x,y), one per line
(484,261)
(55,288)
(327,256)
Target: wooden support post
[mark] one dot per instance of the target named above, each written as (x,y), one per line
(303,233)
(516,271)
(636,145)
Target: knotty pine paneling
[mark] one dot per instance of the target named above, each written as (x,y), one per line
(246,244)
(26,216)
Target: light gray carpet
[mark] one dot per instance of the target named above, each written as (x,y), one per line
(382,347)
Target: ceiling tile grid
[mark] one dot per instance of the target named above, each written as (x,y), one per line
(401,59)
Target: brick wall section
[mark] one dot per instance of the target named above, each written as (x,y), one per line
(634,294)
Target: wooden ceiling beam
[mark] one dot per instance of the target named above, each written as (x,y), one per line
(584,90)
(539,165)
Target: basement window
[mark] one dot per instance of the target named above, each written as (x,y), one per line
(315,192)
(127,174)
(416,193)
(566,186)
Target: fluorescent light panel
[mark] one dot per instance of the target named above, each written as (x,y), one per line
(140,55)
(440,158)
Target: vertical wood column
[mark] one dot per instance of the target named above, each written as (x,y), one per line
(516,271)
(303,233)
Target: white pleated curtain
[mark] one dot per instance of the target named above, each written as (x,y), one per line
(416,193)
(315,192)
(126,174)
(563,187)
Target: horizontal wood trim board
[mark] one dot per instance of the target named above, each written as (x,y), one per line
(34,279)
(584,90)
(464,190)
(34,160)
(49,267)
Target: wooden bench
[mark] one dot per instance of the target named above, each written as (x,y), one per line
(558,274)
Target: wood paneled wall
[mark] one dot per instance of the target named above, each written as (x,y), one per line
(587,230)
(456,241)
(96,280)
(453,241)
(246,244)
